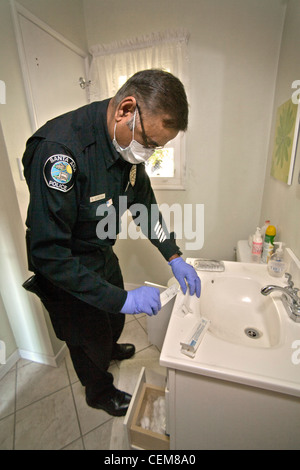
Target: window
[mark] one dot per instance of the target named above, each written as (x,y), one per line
(113,64)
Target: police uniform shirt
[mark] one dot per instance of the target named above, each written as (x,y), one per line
(76,178)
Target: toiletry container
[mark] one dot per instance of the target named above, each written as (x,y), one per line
(264,228)
(257,244)
(268,245)
(276,264)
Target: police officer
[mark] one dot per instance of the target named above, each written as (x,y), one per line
(83,170)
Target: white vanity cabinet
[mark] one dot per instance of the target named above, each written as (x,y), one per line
(208,413)
(237,392)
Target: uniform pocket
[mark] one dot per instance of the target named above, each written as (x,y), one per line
(96,220)
(88,212)
(87,220)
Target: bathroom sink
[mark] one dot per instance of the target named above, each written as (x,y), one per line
(250,338)
(231,300)
(238,312)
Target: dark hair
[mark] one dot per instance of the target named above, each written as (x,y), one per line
(157,91)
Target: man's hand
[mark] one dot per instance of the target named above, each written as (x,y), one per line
(184,271)
(142,300)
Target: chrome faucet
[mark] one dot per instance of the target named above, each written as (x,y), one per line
(289,297)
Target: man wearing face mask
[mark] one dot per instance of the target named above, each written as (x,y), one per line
(77,166)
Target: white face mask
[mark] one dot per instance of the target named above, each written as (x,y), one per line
(135,152)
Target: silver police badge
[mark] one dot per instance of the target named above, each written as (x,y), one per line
(59,172)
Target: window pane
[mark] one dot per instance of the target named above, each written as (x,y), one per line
(161,163)
(121,80)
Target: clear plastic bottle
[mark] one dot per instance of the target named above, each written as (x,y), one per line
(276,264)
(257,244)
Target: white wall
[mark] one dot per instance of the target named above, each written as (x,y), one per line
(64,16)
(234,49)
(281,203)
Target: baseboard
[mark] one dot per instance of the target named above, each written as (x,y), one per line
(53,361)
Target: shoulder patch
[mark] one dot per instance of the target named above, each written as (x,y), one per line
(59,172)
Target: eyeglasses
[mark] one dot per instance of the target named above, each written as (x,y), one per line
(148,143)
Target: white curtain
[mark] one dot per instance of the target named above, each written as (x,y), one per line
(112,64)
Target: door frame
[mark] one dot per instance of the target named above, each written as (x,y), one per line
(17,11)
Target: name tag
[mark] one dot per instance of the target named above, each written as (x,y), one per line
(99,197)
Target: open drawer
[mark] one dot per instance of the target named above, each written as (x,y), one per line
(141,405)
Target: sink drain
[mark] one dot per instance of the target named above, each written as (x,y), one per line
(252,333)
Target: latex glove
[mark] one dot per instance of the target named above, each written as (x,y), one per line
(184,271)
(142,300)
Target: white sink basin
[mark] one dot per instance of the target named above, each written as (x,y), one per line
(238,312)
(250,339)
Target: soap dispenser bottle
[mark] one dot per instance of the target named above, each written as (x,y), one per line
(257,244)
(276,264)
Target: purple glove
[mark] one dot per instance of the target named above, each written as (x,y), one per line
(184,271)
(142,300)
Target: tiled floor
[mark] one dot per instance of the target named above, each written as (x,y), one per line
(44,407)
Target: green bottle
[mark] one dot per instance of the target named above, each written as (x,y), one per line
(268,246)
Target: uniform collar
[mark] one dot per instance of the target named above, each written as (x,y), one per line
(99,118)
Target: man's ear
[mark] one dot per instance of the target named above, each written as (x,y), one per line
(126,107)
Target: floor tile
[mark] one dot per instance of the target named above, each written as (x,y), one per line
(43,407)
(117,435)
(35,381)
(99,438)
(131,368)
(70,368)
(7,394)
(134,333)
(143,322)
(89,418)
(48,424)
(129,318)
(7,433)
(76,445)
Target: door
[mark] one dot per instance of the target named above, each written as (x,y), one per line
(52,68)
